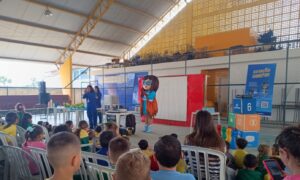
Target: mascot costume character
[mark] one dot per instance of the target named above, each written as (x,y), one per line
(148,97)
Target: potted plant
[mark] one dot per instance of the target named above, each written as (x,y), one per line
(267,39)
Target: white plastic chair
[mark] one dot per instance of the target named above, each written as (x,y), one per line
(20,135)
(40,156)
(93,157)
(17,164)
(205,163)
(96,171)
(46,133)
(8,140)
(87,157)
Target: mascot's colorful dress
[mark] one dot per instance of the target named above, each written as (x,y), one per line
(148,97)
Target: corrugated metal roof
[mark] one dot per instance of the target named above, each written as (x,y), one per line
(25,32)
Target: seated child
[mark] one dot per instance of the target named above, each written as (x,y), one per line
(83,133)
(263,154)
(61,128)
(181,165)
(117,147)
(10,127)
(249,173)
(167,154)
(34,138)
(26,121)
(288,142)
(113,127)
(240,153)
(229,156)
(143,145)
(275,156)
(70,125)
(105,138)
(132,166)
(63,151)
(97,132)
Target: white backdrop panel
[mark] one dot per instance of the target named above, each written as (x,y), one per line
(172,98)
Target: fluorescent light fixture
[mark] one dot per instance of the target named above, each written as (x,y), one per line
(156,28)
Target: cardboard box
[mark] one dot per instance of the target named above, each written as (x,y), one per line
(231,120)
(247,122)
(251,137)
(244,106)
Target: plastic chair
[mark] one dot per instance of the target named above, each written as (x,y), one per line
(45,130)
(205,163)
(8,140)
(20,135)
(40,156)
(17,164)
(93,157)
(96,171)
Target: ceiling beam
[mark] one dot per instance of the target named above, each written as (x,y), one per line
(99,10)
(138,11)
(55,29)
(53,47)
(65,10)
(34,60)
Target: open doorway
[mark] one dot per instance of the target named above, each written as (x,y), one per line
(217,89)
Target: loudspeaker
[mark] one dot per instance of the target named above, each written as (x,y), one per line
(42,87)
(44,98)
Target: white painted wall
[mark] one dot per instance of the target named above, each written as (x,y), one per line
(238,71)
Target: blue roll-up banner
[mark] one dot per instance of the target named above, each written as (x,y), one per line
(260,83)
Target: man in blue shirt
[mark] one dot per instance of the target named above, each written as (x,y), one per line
(167,154)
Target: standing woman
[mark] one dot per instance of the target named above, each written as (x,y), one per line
(98,102)
(90,96)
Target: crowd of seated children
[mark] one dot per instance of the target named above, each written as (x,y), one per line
(26,121)
(167,154)
(132,165)
(34,138)
(117,147)
(289,144)
(64,155)
(240,153)
(83,133)
(249,173)
(11,120)
(105,138)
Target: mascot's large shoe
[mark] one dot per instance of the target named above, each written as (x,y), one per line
(149,129)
